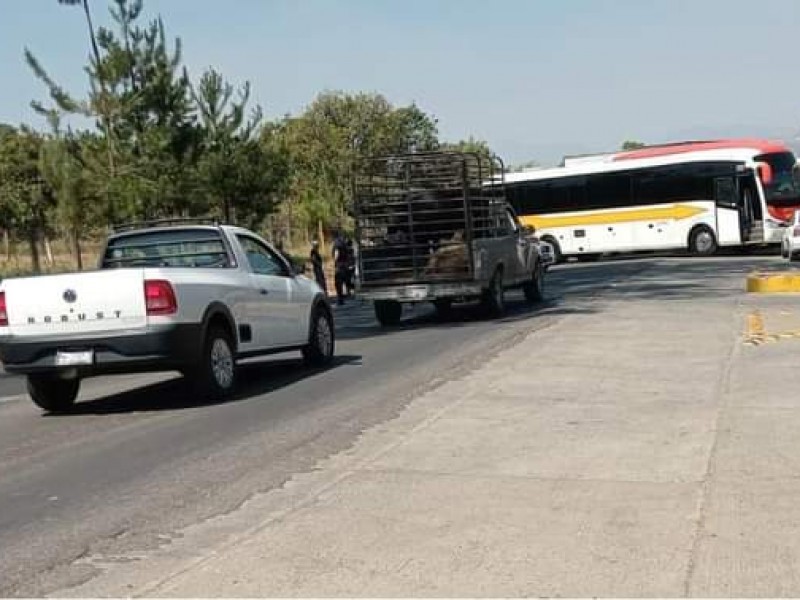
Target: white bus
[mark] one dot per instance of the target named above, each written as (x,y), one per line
(695,195)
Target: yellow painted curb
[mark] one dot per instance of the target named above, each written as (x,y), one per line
(773,283)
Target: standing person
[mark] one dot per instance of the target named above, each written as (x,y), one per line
(340,264)
(317,265)
(351,268)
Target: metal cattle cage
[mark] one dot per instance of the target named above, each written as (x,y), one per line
(418,214)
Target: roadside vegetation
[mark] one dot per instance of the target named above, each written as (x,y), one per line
(160,142)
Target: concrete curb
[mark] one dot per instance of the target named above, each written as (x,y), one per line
(774,283)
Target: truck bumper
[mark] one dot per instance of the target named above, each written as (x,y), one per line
(162,348)
(424,292)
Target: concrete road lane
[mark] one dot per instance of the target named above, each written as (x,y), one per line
(140,459)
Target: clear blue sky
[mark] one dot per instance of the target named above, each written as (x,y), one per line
(535,78)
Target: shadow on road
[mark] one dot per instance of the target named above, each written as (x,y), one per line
(357,321)
(654,277)
(665,278)
(255,379)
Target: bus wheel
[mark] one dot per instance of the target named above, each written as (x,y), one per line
(558,258)
(702,241)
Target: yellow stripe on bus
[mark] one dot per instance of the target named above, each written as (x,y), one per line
(662,213)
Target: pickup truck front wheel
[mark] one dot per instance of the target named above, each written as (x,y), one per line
(388,312)
(53,394)
(493,301)
(321,340)
(534,287)
(215,376)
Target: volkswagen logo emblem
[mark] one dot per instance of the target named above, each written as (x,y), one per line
(69,296)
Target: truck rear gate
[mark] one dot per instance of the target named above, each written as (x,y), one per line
(417,214)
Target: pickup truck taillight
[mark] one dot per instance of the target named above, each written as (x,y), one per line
(3,310)
(159,297)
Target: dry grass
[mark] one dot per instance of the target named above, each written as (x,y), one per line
(19,262)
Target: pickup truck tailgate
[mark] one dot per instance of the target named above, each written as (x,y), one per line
(76,303)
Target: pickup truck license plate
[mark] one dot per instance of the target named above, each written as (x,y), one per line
(416,293)
(70,359)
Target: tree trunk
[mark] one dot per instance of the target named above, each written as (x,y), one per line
(76,249)
(36,264)
(48,251)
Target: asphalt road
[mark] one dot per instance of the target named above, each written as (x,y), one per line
(140,460)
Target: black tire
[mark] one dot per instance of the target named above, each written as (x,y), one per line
(534,287)
(53,394)
(793,257)
(214,377)
(321,339)
(558,257)
(702,241)
(388,312)
(493,299)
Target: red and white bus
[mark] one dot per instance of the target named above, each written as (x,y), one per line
(697,195)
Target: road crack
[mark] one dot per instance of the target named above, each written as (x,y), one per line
(721,395)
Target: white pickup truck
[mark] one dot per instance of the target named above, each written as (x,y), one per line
(173,296)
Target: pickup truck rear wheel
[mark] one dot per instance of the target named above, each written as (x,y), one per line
(53,394)
(321,340)
(534,287)
(494,296)
(215,376)
(388,312)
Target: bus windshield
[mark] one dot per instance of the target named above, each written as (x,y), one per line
(784,189)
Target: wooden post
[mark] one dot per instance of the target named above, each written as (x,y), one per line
(36,264)
(76,249)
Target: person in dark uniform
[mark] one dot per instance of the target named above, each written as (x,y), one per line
(317,265)
(351,268)
(341,263)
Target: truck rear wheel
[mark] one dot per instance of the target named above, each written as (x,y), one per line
(53,394)
(534,287)
(388,312)
(214,377)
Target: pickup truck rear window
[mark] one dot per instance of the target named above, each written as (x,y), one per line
(202,248)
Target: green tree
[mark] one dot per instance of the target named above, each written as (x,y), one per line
(326,142)
(25,198)
(470,145)
(524,166)
(632,145)
(238,174)
(62,166)
(139,94)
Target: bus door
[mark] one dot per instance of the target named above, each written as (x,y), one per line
(752,214)
(739,215)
